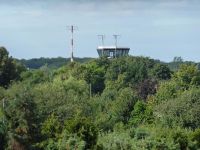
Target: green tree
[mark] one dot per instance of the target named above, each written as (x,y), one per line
(9,68)
(20,112)
(187,75)
(195,137)
(181,139)
(93,73)
(162,72)
(2,135)
(51,131)
(83,128)
(123,105)
(115,106)
(128,71)
(71,142)
(51,127)
(142,113)
(167,90)
(63,98)
(182,111)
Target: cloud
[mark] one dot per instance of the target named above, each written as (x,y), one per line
(146,25)
(125,6)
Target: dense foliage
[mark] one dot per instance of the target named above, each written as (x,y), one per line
(36,63)
(125,103)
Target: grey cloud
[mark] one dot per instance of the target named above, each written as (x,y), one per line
(107,5)
(149,25)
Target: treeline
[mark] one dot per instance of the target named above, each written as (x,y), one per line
(53,63)
(58,62)
(178,61)
(104,104)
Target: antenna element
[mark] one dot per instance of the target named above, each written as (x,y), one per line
(72,28)
(116,37)
(102,38)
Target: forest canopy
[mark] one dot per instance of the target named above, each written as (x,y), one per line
(125,103)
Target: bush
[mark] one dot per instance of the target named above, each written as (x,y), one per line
(182,111)
(142,113)
(84,129)
(181,139)
(195,137)
(21,115)
(167,90)
(187,75)
(71,142)
(2,135)
(115,141)
(162,72)
(51,128)
(141,133)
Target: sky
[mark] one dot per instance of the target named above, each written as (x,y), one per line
(160,29)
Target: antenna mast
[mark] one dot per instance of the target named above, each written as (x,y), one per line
(72,28)
(116,37)
(102,38)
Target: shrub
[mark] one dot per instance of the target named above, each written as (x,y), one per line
(2,135)
(182,111)
(84,129)
(141,133)
(195,137)
(142,113)
(181,139)
(71,142)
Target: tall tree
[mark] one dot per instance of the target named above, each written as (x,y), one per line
(162,72)
(20,112)
(9,68)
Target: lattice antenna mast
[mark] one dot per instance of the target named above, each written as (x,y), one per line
(102,37)
(72,29)
(116,40)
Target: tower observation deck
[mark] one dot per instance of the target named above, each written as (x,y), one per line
(112,51)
